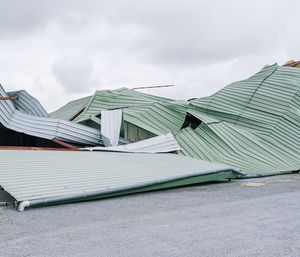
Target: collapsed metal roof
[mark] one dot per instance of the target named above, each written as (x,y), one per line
(155,114)
(77,176)
(115,99)
(158,118)
(251,124)
(23,118)
(70,110)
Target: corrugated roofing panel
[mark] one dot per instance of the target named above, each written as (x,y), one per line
(71,109)
(45,127)
(28,104)
(158,118)
(110,126)
(252,124)
(159,144)
(44,177)
(116,99)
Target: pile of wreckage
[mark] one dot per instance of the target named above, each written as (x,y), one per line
(122,141)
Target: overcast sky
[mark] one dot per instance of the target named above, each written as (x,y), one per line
(61,50)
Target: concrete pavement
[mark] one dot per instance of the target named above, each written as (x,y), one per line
(253,217)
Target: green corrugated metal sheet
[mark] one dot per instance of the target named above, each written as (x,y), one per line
(159,118)
(257,103)
(113,99)
(70,109)
(220,142)
(54,177)
(252,124)
(155,114)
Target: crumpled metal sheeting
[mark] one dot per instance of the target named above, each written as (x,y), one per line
(116,99)
(159,118)
(159,144)
(45,127)
(252,124)
(28,104)
(71,109)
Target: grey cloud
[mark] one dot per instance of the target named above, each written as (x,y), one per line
(181,33)
(74,72)
(69,44)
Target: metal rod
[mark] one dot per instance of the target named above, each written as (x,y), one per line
(76,114)
(152,87)
(4,98)
(66,145)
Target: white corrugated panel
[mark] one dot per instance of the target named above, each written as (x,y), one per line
(45,127)
(44,175)
(28,104)
(159,144)
(110,126)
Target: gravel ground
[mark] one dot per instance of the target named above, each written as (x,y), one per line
(253,217)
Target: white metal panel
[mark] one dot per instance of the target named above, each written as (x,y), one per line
(45,127)
(159,144)
(110,126)
(28,104)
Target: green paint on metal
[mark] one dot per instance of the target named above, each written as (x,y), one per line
(218,176)
(115,99)
(70,109)
(159,118)
(251,124)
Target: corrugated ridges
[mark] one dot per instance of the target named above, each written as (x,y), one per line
(70,109)
(84,172)
(45,127)
(252,124)
(158,118)
(28,104)
(115,99)
(111,122)
(159,144)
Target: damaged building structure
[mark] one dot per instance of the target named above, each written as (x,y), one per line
(123,141)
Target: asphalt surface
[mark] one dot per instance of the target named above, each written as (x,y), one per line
(253,217)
